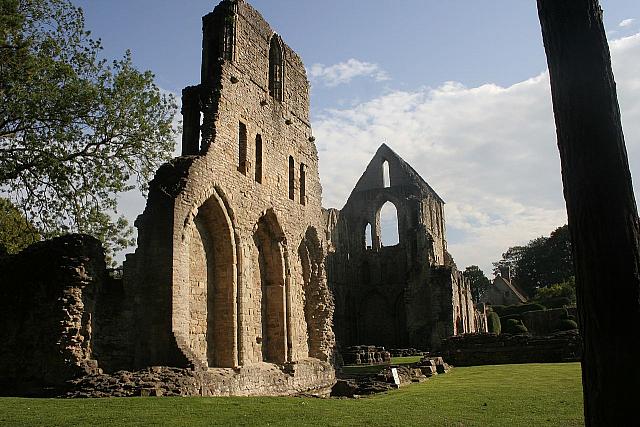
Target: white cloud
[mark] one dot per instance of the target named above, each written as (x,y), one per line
(489,151)
(626,22)
(344,72)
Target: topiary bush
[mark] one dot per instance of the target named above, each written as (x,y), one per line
(512,310)
(493,323)
(567,325)
(514,326)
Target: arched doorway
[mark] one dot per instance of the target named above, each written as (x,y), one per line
(212,281)
(315,315)
(270,280)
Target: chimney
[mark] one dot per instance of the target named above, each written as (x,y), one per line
(505,273)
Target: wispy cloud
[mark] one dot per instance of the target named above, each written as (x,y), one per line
(345,72)
(489,151)
(626,22)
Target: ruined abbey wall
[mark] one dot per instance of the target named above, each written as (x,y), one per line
(230,261)
(405,295)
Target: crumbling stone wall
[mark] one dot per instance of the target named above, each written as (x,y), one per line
(406,295)
(229,269)
(48,297)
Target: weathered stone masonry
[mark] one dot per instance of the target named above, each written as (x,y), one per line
(229,270)
(407,295)
(227,292)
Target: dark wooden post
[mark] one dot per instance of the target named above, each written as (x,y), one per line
(603,218)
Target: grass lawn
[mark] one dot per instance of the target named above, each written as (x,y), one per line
(507,395)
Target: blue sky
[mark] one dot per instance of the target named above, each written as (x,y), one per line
(458,88)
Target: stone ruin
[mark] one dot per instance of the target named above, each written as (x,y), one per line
(227,292)
(365,355)
(228,277)
(407,295)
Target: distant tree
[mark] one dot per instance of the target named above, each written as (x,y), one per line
(16,232)
(75,129)
(541,262)
(566,289)
(479,282)
(509,260)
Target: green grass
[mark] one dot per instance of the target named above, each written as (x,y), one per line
(507,395)
(406,360)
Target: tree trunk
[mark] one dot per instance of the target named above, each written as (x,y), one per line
(603,218)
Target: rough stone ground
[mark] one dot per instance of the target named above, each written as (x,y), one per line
(355,385)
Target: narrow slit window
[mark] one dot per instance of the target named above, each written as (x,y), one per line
(242,148)
(229,38)
(303,184)
(259,158)
(292,179)
(276,68)
(368,240)
(386,181)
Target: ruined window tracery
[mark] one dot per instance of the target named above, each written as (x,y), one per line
(303,184)
(276,69)
(386,181)
(258,159)
(242,148)
(292,179)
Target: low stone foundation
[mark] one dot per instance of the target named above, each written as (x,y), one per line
(306,377)
(492,349)
(366,355)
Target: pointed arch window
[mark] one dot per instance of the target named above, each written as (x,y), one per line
(368,238)
(229,38)
(276,68)
(386,180)
(389,230)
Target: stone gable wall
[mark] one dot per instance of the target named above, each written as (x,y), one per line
(401,296)
(240,280)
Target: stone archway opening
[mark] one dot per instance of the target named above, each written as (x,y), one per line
(311,259)
(270,278)
(212,281)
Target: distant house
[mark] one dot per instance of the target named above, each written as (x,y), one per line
(503,292)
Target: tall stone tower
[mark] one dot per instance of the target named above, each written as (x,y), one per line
(229,271)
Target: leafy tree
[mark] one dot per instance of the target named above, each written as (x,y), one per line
(479,282)
(541,262)
(509,261)
(75,129)
(16,232)
(566,289)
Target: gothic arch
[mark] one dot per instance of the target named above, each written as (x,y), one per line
(271,279)
(312,261)
(210,301)
(276,68)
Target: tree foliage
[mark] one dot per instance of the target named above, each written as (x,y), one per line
(566,289)
(542,262)
(479,282)
(16,232)
(75,129)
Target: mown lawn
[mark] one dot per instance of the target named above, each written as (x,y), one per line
(507,395)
